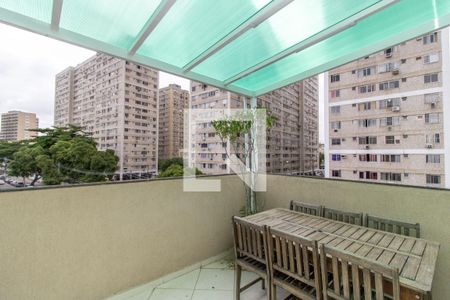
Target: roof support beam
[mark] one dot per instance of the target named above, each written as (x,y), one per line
(259,17)
(56,14)
(162,9)
(315,39)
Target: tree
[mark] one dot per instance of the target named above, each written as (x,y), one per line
(7,150)
(165,163)
(65,154)
(174,168)
(24,163)
(238,131)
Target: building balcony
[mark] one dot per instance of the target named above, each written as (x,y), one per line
(151,240)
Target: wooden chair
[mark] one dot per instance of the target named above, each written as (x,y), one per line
(393,226)
(250,246)
(293,265)
(315,210)
(349,277)
(344,216)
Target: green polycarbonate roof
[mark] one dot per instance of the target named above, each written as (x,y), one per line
(246,46)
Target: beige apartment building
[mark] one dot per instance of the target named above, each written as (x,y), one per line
(173,101)
(388,115)
(16,126)
(116,101)
(292,142)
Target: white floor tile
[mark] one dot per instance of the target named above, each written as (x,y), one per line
(171,294)
(186,281)
(212,295)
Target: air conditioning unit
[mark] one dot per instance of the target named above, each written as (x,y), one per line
(433,104)
(388,54)
(367,147)
(343,156)
(336,130)
(396,108)
(405,136)
(395,72)
(389,128)
(428,145)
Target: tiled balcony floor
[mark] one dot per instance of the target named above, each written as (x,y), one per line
(214,281)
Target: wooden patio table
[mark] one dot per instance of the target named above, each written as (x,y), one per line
(415,258)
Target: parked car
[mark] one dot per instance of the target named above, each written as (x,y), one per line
(2,182)
(19,184)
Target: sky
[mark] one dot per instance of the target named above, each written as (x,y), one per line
(29,63)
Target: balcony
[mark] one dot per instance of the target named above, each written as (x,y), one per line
(101,241)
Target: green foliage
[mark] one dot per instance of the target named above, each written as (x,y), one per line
(165,163)
(63,155)
(231,128)
(174,168)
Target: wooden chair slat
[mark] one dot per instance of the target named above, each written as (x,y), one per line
(336,281)
(367,285)
(291,257)
(356,282)
(343,216)
(306,208)
(379,286)
(345,279)
(399,227)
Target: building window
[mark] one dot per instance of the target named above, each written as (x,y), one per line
(388,67)
(390,139)
(335,109)
(390,121)
(391,176)
(432,118)
(430,38)
(335,125)
(368,175)
(434,138)
(336,173)
(364,72)
(368,157)
(367,140)
(433,179)
(367,122)
(433,159)
(429,78)
(431,98)
(390,158)
(335,78)
(335,157)
(367,105)
(431,58)
(387,85)
(366,88)
(335,93)
(335,141)
(388,103)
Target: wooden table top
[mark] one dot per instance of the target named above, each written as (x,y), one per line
(415,258)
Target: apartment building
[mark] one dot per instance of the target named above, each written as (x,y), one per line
(15,126)
(388,115)
(292,142)
(173,101)
(116,101)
